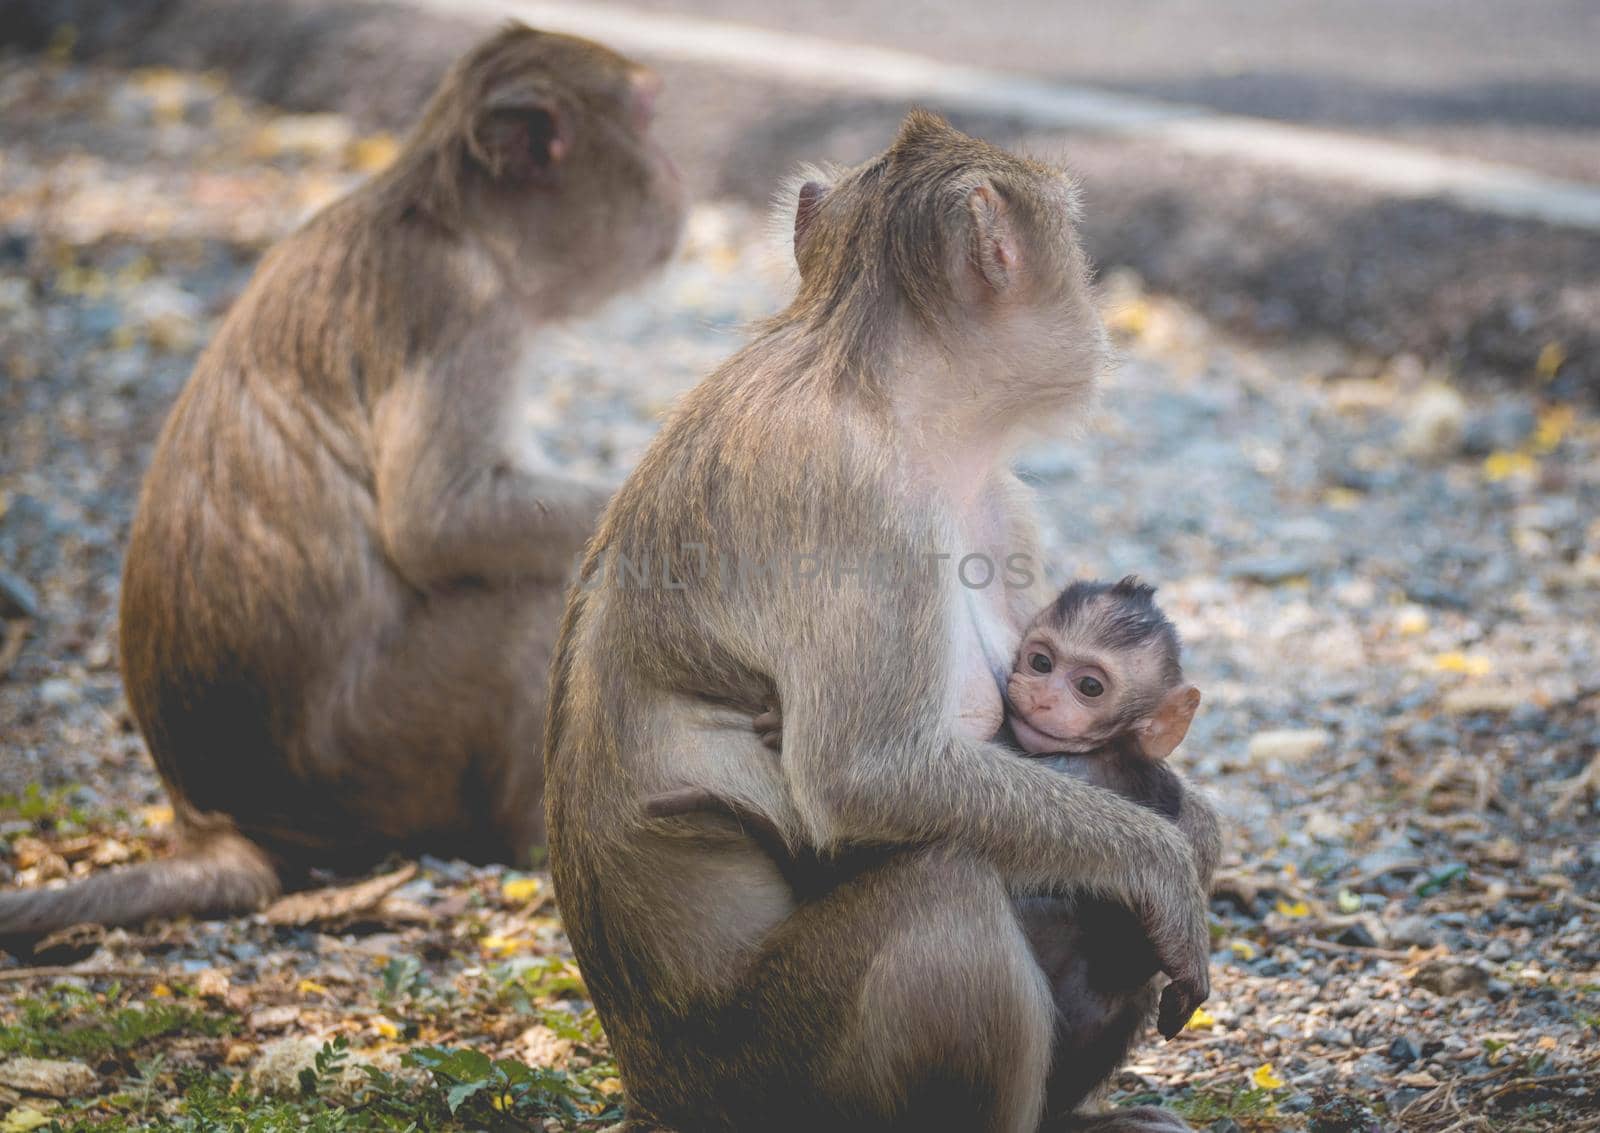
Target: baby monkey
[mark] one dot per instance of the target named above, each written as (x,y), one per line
(1096,690)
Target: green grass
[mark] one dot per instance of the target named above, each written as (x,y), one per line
(463,1090)
(69,1022)
(1253,1108)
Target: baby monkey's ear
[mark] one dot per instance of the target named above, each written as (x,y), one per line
(1164,730)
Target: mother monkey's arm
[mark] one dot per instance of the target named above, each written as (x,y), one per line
(872,754)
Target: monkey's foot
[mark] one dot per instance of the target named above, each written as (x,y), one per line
(1139,1119)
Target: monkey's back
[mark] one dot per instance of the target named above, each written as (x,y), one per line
(253,575)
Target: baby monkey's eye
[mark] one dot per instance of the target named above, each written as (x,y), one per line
(1090,687)
(1039,663)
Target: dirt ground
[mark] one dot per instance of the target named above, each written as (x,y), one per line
(1389,592)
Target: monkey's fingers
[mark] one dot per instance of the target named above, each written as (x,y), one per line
(1180,999)
(769,728)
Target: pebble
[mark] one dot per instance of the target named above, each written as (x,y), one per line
(1412,931)
(1472,699)
(1270,570)
(1357,936)
(1292,745)
(58,691)
(1435,423)
(1502,427)
(17,599)
(1404,1051)
(1497,951)
(48,1077)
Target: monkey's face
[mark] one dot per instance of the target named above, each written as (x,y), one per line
(1071,690)
(1063,698)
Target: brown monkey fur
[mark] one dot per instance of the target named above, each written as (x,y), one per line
(943,308)
(1097,688)
(341,591)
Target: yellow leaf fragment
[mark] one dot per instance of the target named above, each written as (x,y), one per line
(1457,662)
(1264,1079)
(23,1119)
(1132,318)
(520,890)
(1503,465)
(161,991)
(385,1028)
(504,945)
(1554,425)
(1201,1020)
(1294,909)
(611,1087)
(1242,949)
(1550,359)
(311,987)
(156,815)
(373,153)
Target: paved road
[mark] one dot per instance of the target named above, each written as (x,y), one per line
(1513,82)
(1262,250)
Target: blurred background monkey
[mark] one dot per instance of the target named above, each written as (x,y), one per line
(341,589)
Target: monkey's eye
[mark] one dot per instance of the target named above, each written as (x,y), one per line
(1090,687)
(1039,663)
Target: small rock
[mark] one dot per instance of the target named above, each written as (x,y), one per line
(58,692)
(1435,425)
(305,134)
(1224,1125)
(1503,427)
(1471,700)
(1450,977)
(1413,931)
(1426,592)
(276,1070)
(1270,570)
(48,1077)
(1287,746)
(1404,1051)
(1357,936)
(1498,951)
(17,599)
(268,1019)
(1296,1103)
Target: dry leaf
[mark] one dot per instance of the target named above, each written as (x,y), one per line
(319,905)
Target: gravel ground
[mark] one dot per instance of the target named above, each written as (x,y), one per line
(1389,592)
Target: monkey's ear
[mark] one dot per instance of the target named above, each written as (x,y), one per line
(1164,730)
(807,202)
(521,137)
(995,249)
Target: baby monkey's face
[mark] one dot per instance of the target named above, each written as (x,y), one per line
(1081,680)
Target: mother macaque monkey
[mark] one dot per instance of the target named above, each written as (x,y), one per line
(341,592)
(943,310)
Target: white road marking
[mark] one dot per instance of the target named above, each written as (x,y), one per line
(1387,167)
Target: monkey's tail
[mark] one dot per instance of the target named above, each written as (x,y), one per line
(220,872)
